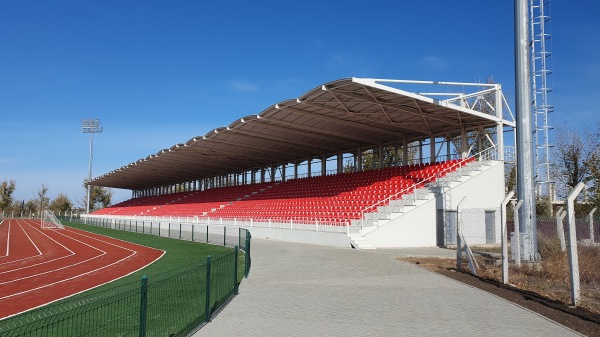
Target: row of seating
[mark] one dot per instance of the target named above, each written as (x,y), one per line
(329,198)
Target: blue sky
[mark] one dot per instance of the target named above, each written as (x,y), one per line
(158,73)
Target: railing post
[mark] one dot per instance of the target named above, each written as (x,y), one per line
(207,308)
(143,305)
(192,233)
(180,231)
(206,233)
(224,235)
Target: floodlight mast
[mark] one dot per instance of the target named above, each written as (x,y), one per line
(90,126)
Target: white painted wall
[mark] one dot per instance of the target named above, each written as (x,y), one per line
(416,228)
(482,191)
(301,236)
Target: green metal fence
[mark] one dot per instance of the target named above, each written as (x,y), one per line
(174,303)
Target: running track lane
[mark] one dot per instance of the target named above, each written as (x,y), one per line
(95,260)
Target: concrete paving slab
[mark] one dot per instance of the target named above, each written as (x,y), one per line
(305,290)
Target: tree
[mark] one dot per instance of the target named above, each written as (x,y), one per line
(6,190)
(576,158)
(31,207)
(42,199)
(100,197)
(594,164)
(61,204)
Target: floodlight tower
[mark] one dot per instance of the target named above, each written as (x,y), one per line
(90,126)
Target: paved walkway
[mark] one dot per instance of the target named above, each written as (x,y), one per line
(304,290)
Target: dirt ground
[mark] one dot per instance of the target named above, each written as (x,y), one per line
(578,319)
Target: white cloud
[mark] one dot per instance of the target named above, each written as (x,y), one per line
(434,62)
(242,86)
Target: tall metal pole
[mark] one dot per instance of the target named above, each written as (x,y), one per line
(525,158)
(90,173)
(90,126)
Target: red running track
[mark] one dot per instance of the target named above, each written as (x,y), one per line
(38,266)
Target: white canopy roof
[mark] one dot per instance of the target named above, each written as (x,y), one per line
(339,115)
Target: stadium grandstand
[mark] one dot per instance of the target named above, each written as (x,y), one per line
(358,162)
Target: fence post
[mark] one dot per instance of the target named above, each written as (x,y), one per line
(143,305)
(573,257)
(247,257)
(560,229)
(458,236)
(517,238)
(235,270)
(504,235)
(207,309)
(206,233)
(180,231)
(224,235)
(169,231)
(592,224)
(192,233)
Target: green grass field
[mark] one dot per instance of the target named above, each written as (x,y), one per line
(176,293)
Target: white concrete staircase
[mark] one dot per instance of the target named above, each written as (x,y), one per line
(409,202)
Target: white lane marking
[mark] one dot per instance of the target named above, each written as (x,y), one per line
(76,276)
(30,240)
(71,253)
(94,287)
(61,268)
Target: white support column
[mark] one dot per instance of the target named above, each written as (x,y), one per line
(380,155)
(479,142)
(500,125)
(283,171)
(463,144)
(295,169)
(272,172)
(404,152)
(432,156)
